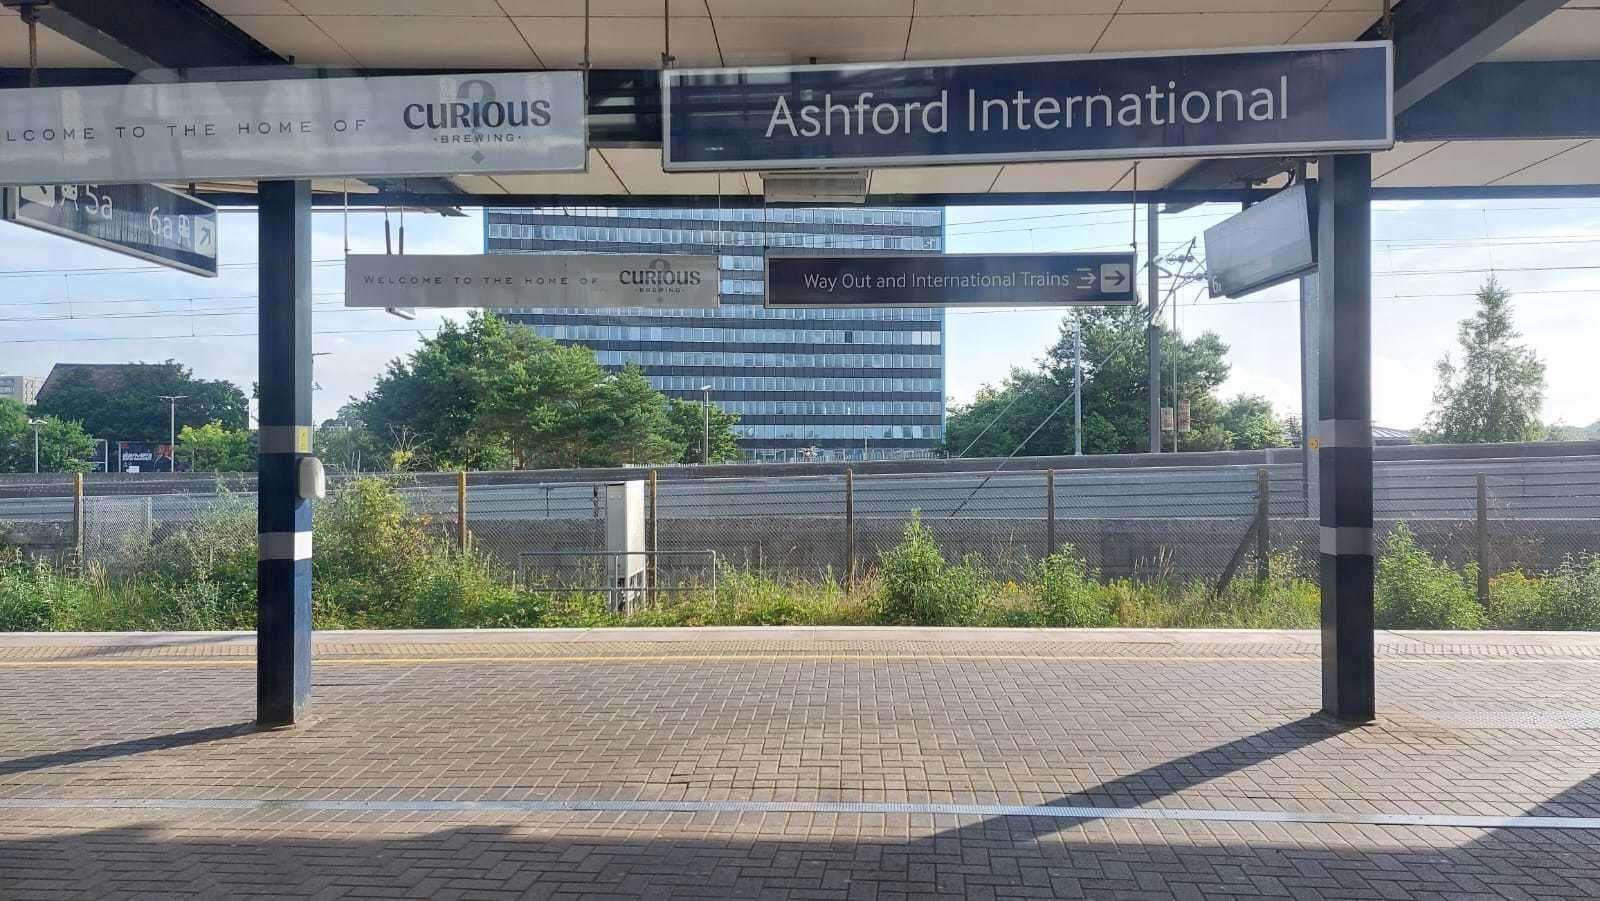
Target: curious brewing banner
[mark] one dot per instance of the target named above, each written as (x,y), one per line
(532,281)
(294,128)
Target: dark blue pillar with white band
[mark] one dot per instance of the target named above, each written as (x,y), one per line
(1344,236)
(283,518)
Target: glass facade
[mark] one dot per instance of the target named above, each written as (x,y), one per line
(806,384)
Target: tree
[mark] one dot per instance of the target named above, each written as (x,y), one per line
(346,443)
(1560,431)
(687,424)
(123,403)
(212,448)
(487,394)
(634,417)
(1249,423)
(1496,392)
(1116,393)
(63,446)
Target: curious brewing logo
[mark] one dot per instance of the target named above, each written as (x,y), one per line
(477,117)
(659,278)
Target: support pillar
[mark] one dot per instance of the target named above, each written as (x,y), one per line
(1310,394)
(283,518)
(1345,432)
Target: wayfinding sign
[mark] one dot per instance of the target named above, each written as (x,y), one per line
(951,280)
(530,281)
(145,221)
(294,128)
(1269,100)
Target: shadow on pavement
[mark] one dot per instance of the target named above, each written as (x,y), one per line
(700,856)
(124,748)
(298,853)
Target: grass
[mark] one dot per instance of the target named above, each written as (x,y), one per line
(380,566)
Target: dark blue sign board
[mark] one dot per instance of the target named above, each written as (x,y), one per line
(141,220)
(951,280)
(1272,100)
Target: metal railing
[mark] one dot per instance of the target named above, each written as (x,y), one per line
(626,578)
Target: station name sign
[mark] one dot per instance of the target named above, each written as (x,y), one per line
(294,128)
(145,221)
(1302,99)
(951,280)
(532,281)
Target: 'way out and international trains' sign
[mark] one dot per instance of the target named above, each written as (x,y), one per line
(1301,99)
(294,128)
(951,280)
(532,281)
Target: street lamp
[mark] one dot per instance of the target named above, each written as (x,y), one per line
(172,428)
(36,423)
(705,438)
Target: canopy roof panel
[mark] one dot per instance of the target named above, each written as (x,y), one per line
(631,34)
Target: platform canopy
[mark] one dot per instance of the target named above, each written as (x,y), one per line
(1491,95)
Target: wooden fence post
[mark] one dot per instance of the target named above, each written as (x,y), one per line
(461,511)
(652,536)
(1049,512)
(77,517)
(1263,526)
(850,529)
(1483,538)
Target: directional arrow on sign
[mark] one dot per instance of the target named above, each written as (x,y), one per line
(204,238)
(1086,280)
(1117,279)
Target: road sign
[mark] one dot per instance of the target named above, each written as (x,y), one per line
(1240,102)
(531,281)
(951,280)
(145,221)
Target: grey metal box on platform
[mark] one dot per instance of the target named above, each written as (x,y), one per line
(625,547)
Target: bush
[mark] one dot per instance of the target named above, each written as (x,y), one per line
(1415,591)
(1071,594)
(1572,594)
(918,588)
(1566,598)
(28,589)
(1516,602)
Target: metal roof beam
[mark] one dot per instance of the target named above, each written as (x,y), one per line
(150,36)
(1434,41)
(1043,198)
(1509,101)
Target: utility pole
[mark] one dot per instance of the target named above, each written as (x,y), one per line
(1153,330)
(172,427)
(36,423)
(1178,343)
(1077,389)
(705,437)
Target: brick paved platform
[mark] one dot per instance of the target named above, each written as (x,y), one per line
(803,763)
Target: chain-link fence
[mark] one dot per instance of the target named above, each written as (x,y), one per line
(1180,522)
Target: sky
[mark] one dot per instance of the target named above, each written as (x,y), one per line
(65,302)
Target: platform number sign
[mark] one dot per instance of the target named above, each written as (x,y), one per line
(141,220)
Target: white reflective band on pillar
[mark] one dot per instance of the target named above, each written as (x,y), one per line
(1345,432)
(283,546)
(284,439)
(1347,540)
